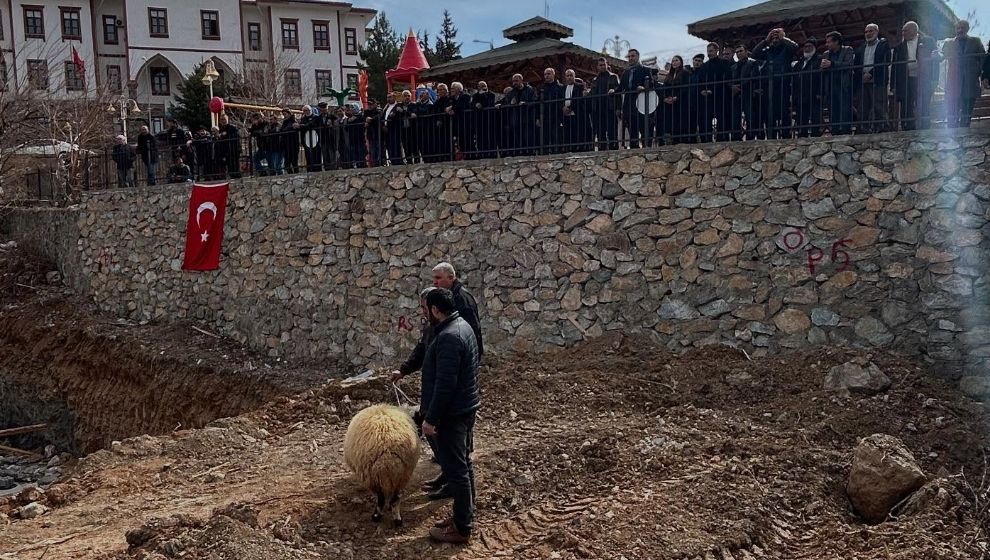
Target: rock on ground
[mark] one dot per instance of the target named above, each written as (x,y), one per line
(883,473)
(938,496)
(851,377)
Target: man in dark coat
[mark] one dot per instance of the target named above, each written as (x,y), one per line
(806,87)
(837,63)
(748,96)
(435,487)
(329,141)
(147,148)
(636,79)
(777,51)
(715,97)
(373,130)
(551,112)
(123,155)
(520,108)
(575,131)
(483,111)
(354,126)
(604,107)
(289,140)
(914,74)
(452,398)
(459,111)
(230,137)
(870,82)
(444,276)
(965,56)
(310,124)
(392,117)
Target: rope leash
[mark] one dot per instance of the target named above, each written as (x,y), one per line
(399,392)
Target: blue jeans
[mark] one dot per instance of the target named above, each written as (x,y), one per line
(259,156)
(276,162)
(152,170)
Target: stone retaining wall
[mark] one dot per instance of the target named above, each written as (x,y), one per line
(871,241)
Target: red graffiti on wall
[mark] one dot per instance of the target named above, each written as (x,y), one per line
(794,239)
(405,325)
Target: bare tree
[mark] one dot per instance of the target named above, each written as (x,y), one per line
(54,128)
(264,83)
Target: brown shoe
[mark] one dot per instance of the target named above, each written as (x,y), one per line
(448,534)
(445,523)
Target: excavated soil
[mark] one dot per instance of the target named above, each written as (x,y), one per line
(614,449)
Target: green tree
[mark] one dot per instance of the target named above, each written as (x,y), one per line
(380,54)
(447,48)
(192,105)
(424,43)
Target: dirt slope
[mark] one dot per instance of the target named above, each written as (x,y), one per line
(610,450)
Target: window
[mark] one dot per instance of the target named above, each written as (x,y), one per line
(293,83)
(113,79)
(324,81)
(254,36)
(158,22)
(71,24)
(34,22)
(157,124)
(321,35)
(110,36)
(211,24)
(350,40)
(352,82)
(159,81)
(3,74)
(74,81)
(38,74)
(290,34)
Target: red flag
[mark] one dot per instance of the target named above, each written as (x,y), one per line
(204,231)
(78,61)
(363,88)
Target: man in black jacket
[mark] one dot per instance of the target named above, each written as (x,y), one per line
(575,131)
(519,111)
(870,83)
(964,55)
(714,95)
(914,74)
(551,112)
(230,136)
(483,111)
(452,399)
(635,79)
(747,96)
(778,51)
(147,148)
(837,63)
(444,276)
(604,109)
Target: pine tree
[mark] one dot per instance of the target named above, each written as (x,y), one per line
(192,105)
(447,48)
(424,43)
(380,54)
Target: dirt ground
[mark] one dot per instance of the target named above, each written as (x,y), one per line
(614,449)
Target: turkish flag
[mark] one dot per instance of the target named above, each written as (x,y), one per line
(204,231)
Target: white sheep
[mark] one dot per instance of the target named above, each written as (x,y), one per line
(381,447)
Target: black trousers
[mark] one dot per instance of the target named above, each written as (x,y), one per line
(455,442)
(606,126)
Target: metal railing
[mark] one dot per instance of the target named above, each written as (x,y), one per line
(721,101)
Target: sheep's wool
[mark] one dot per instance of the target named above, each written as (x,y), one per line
(382,448)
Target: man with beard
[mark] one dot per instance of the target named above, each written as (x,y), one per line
(962,84)
(837,62)
(870,85)
(777,51)
(518,105)
(444,276)
(914,72)
(459,112)
(635,80)
(483,109)
(551,111)
(451,399)
(806,87)
(604,107)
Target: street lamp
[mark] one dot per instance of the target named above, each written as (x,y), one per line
(127,107)
(210,74)
(617,45)
(491,44)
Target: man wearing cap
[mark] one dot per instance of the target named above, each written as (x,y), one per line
(806,87)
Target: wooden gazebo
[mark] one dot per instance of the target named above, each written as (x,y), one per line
(814,18)
(537,45)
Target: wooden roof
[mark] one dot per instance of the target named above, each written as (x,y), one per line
(935,17)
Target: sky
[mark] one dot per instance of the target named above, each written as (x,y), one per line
(655,28)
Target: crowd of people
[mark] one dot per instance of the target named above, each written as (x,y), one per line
(774,89)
